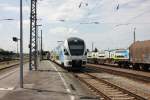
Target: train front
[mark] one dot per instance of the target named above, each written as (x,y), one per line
(75,53)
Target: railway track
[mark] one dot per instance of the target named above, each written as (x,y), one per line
(105,89)
(138,75)
(124,67)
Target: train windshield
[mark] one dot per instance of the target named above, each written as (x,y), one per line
(76,47)
(123,51)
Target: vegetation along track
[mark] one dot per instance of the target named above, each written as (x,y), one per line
(10,65)
(138,75)
(105,89)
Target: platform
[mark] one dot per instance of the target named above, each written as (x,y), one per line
(50,82)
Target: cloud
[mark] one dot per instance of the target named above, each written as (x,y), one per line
(65,9)
(63,31)
(101,9)
(11,8)
(26,24)
(0,27)
(131,13)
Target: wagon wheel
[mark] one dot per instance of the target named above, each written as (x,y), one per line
(145,67)
(136,66)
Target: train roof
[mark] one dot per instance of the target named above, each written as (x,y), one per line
(142,44)
(74,38)
(117,49)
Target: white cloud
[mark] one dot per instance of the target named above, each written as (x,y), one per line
(105,10)
(68,10)
(15,8)
(62,31)
(26,24)
(104,35)
(0,26)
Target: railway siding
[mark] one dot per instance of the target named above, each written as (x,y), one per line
(138,75)
(9,64)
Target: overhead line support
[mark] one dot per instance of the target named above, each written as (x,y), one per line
(33,58)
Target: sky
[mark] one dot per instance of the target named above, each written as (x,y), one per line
(109,24)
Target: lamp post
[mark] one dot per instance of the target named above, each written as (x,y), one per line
(37,52)
(21,46)
(41,45)
(134,36)
(37,26)
(92,46)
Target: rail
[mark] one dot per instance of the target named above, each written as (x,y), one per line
(106,89)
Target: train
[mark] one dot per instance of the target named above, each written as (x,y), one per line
(136,56)
(71,53)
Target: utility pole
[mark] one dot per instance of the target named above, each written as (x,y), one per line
(38,44)
(21,46)
(41,45)
(17,49)
(92,46)
(134,36)
(33,36)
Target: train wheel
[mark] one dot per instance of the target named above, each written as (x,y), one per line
(123,65)
(119,65)
(130,66)
(126,65)
(141,67)
(136,66)
(145,67)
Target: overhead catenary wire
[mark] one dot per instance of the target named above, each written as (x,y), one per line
(90,12)
(98,3)
(118,23)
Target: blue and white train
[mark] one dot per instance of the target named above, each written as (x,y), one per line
(71,53)
(117,56)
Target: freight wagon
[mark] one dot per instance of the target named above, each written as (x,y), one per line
(140,54)
(137,56)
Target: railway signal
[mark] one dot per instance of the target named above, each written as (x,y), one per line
(15,39)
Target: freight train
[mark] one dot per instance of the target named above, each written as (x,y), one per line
(71,53)
(136,56)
